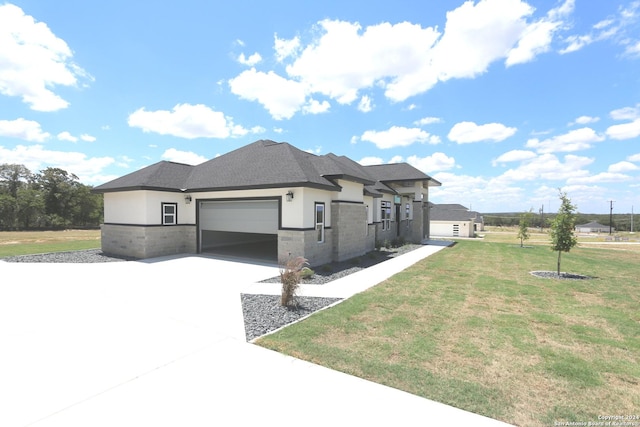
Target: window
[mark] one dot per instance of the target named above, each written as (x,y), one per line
(169,213)
(386,215)
(320,222)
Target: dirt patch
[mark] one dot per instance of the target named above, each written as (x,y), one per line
(562,275)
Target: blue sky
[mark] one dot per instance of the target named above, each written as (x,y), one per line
(503,101)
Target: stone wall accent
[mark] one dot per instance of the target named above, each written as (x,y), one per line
(349,230)
(293,243)
(417,225)
(148,242)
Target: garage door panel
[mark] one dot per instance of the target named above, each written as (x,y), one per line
(240,216)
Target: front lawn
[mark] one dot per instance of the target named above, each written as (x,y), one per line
(14,243)
(470,327)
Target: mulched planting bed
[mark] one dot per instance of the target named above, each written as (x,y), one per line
(264,314)
(329,272)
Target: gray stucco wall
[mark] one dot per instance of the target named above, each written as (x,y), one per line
(148,242)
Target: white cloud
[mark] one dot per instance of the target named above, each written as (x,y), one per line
(634,158)
(316,150)
(626,113)
(251,60)
(398,136)
(87,137)
(632,49)
(433,163)
(28,130)
(344,60)
(365,104)
(584,120)
(474,191)
(35,157)
(623,167)
(184,121)
(575,140)
(281,97)
(34,60)
(403,59)
(316,107)
(624,130)
(187,157)
(602,177)
(285,48)
(467,132)
(612,28)
(514,156)
(537,36)
(366,161)
(66,136)
(427,121)
(547,167)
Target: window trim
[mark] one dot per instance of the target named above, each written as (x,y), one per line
(316,223)
(164,213)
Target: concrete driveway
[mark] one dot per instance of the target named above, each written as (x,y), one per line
(162,344)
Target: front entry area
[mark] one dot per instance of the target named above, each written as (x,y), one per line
(240,228)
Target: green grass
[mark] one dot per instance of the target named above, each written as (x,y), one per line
(14,243)
(470,327)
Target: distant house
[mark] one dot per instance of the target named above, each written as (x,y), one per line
(454,220)
(265,195)
(593,227)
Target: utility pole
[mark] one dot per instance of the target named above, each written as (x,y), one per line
(541,217)
(610,216)
(631,218)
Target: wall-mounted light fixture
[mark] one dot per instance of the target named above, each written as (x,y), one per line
(187,198)
(289,196)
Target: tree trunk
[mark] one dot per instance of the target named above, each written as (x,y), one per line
(559,254)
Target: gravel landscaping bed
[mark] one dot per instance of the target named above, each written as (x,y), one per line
(554,275)
(263,313)
(329,272)
(74,257)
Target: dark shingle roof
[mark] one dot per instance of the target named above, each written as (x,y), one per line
(398,172)
(159,176)
(264,164)
(451,212)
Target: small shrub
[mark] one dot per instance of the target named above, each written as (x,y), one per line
(387,244)
(356,261)
(306,273)
(290,275)
(378,245)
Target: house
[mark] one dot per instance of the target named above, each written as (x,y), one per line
(266,197)
(593,227)
(454,220)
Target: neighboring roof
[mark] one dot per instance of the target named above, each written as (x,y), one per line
(264,164)
(451,212)
(592,224)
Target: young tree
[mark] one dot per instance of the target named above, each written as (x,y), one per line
(523,227)
(562,227)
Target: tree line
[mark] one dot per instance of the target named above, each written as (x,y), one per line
(50,199)
(621,222)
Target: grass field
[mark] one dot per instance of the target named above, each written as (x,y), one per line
(470,327)
(34,242)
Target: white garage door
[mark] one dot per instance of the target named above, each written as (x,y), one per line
(244,216)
